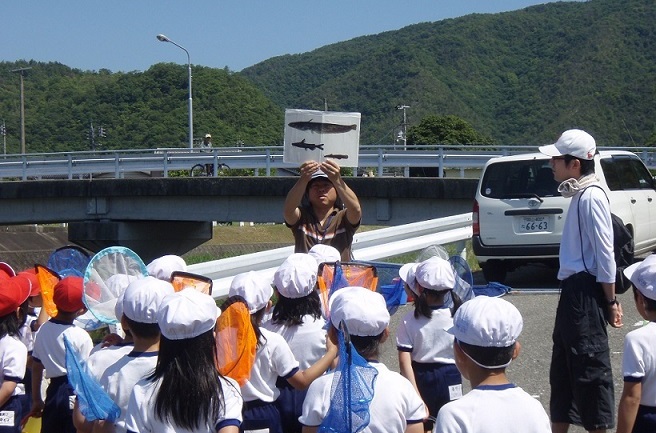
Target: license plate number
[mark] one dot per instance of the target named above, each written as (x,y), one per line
(534,224)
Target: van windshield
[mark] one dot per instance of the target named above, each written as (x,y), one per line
(519,179)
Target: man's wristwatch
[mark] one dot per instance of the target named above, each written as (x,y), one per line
(613,301)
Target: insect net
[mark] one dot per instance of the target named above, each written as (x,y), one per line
(236,342)
(69,260)
(351,392)
(94,402)
(108,274)
(334,276)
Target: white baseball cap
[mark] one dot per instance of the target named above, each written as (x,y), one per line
(164,266)
(142,299)
(186,314)
(407,274)
(257,291)
(208,135)
(487,322)
(363,311)
(325,253)
(297,276)
(643,276)
(435,274)
(573,142)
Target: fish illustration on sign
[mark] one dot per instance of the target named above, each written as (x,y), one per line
(336,156)
(328,128)
(307,146)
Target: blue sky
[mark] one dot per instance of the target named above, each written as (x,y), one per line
(120,35)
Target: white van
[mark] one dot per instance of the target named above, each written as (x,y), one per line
(519,214)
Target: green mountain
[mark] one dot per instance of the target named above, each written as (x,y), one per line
(137,110)
(519,77)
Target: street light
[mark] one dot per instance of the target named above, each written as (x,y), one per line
(163,38)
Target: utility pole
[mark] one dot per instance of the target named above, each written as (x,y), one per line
(404,126)
(21,72)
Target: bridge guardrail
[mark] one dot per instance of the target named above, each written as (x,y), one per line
(369,246)
(118,164)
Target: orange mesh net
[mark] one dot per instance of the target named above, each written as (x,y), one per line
(48,279)
(334,276)
(236,343)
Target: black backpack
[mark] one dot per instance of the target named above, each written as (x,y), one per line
(622,248)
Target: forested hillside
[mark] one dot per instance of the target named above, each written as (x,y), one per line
(137,109)
(519,77)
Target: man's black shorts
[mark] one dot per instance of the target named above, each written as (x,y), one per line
(581,377)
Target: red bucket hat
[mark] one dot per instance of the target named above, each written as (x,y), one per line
(35,285)
(12,294)
(6,271)
(68,294)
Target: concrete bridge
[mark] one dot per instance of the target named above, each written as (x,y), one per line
(156,216)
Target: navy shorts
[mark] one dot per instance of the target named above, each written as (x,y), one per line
(581,377)
(58,407)
(290,406)
(11,414)
(260,415)
(645,420)
(433,382)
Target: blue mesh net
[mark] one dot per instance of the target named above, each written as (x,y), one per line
(69,260)
(93,401)
(351,393)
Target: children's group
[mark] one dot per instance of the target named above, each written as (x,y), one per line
(287,355)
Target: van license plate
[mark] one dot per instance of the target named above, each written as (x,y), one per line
(534,224)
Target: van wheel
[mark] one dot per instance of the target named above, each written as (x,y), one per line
(494,271)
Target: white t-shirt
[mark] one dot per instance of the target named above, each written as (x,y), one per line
(307,340)
(13,355)
(119,379)
(493,409)
(595,233)
(49,346)
(274,358)
(99,360)
(141,418)
(395,403)
(639,361)
(425,338)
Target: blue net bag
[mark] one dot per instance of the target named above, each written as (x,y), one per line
(351,392)
(93,401)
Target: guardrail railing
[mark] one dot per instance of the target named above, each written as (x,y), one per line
(161,162)
(369,246)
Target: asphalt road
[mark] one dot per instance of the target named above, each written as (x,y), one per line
(531,286)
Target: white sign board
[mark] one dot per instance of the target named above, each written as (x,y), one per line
(319,135)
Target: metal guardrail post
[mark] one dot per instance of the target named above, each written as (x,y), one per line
(70,167)
(379,172)
(440,167)
(166,164)
(268,163)
(24,158)
(117,169)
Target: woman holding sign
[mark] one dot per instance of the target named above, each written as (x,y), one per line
(321,209)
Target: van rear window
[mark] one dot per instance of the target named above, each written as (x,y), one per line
(519,179)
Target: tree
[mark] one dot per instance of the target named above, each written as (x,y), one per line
(450,129)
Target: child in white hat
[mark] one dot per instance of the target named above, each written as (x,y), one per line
(424,346)
(486,331)
(395,405)
(297,317)
(163,402)
(273,356)
(140,304)
(637,408)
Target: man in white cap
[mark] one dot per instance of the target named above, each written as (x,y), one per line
(321,209)
(637,408)
(486,332)
(587,302)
